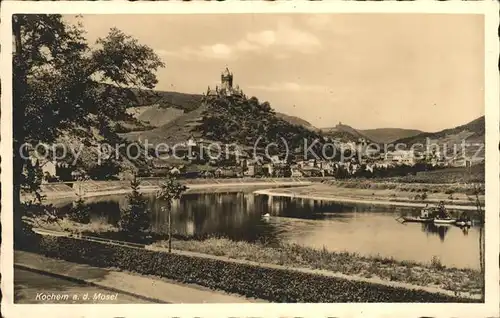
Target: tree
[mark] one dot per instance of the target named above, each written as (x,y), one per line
(80,212)
(136,218)
(58,81)
(170,190)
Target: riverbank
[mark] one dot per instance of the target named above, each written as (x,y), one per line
(87,189)
(394,197)
(456,196)
(432,274)
(374,269)
(287,279)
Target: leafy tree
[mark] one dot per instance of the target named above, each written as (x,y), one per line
(58,82)
(170,190)
(33,176)
(80,212)
(136,218)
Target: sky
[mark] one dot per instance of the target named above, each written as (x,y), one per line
(415,71)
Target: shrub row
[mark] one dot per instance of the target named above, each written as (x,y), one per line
(277,285)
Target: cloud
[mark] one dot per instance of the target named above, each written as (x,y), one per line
(279,42)
(289,87)
(285,37)
(264,38)
(319,21)
(215,51)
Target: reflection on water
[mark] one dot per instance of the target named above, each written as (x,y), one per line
(364,229)
(440,230)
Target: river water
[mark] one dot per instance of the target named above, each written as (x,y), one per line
(360,228)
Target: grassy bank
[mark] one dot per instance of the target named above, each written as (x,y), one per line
(417,187)
(387,192)
(433,274)
(262,282)
(475,174)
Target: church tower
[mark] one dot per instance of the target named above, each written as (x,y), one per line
(226,79)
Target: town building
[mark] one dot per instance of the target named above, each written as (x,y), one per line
(52,170)
(401,157)
(296,173)
(459,161)
(268,169)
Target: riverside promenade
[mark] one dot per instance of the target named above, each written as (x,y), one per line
(105,285)
(137,285)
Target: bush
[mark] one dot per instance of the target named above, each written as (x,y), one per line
(136,218)
(436,263)
(80,212)
(277,285)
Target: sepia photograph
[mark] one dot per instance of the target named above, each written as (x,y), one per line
(250,158)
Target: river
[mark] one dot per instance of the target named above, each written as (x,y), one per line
(360,228)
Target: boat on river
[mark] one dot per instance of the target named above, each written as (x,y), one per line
(436,215)
(424,217)
(445,221)
(417,219)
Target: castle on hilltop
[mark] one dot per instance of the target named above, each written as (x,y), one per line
(226,87)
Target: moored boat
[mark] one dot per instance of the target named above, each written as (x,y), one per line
(424,217)
(444,221)
(417,219)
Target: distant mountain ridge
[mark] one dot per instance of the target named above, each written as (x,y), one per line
(451,140)
(294,120)
(472,131)
(159,112)
(344,133)
(388,135)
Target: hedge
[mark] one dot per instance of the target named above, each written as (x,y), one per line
(276,285)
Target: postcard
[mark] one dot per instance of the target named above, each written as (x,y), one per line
(196,159)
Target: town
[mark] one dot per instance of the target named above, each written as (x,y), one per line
(193,158)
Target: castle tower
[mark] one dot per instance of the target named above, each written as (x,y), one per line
(226,79)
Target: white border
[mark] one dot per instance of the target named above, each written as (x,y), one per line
(489,9)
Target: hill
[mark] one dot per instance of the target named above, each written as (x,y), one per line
(165,99)
(388,135)
(153,108)
(294,120)
(474,131)
(155,115)
(174,131)
(344,133)
(226,119)
(452,139)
